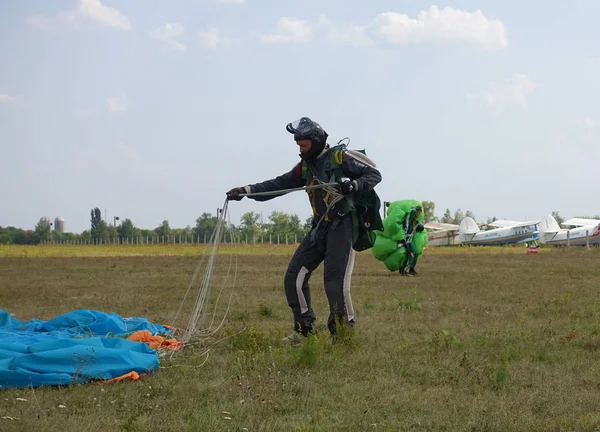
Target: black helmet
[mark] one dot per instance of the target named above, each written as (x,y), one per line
(307,129)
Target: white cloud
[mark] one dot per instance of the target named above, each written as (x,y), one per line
(6,99)
(117,104)
(87,11)
(168,34)
(212,39)
(290,30)
(586,122)
(96,11)
(498,96)
(433,25)
(343,33)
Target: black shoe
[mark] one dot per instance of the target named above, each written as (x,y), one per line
(412,272)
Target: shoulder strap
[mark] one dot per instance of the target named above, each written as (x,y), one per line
(303,169)
(336,158)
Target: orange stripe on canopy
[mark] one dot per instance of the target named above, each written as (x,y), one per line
(155,342)
(133,375)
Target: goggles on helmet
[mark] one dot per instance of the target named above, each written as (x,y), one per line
(302,128)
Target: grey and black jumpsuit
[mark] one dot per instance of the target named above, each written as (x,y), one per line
(330,242)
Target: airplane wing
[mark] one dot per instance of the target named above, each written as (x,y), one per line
(503,223)
(435,226)
(581,222)
(526,223)
(508,223)
(442,231)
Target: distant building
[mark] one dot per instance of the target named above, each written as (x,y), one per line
(59,224)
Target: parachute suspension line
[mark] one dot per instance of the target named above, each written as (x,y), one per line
(198,314)
(196,325)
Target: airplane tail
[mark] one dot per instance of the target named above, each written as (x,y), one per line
(549,225)
(468,228)
(548,228)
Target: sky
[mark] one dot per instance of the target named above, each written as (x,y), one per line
(152,110)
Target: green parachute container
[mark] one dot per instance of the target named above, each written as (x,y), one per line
(387,248)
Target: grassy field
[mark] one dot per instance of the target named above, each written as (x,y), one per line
(486,339)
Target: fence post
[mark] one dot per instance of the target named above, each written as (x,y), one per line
(587,240)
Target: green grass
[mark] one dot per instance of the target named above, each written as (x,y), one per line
(78,251)
(485,339)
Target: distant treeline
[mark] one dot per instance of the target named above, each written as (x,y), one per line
(252,226)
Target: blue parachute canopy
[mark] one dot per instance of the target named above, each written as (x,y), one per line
(76,347)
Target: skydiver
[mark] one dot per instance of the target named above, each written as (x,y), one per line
(330,239)
(411,224)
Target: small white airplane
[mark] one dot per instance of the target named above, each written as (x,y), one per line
(505,232)
(552,233)
(441,234)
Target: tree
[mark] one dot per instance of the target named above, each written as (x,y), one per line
(127,229)
(113,232)
(283,224)
(307,224)
(23,237)
(5,237)
(250,228)
(489,221)
(85,235)
(164,229)
(43,228)
(458,216)
(205,226)
(429,211)
(99,227)
(559,219)
(470,214)
(447,218)
(56,236)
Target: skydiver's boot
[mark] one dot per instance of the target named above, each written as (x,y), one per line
(412,272)
(292,339)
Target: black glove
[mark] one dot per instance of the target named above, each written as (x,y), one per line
(420,227)
(234,194)
(346,186)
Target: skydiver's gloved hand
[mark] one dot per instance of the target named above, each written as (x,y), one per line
(234,194)
(347,186)
(420,227)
